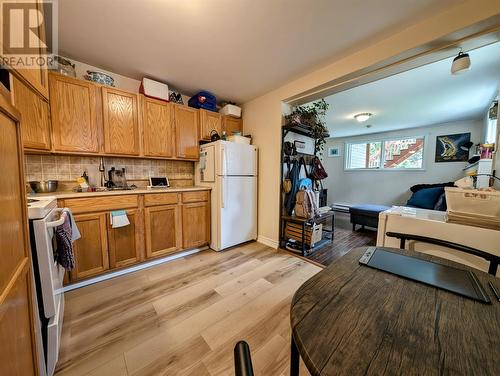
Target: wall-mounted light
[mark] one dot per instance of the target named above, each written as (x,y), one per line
(364,116)
(461,63)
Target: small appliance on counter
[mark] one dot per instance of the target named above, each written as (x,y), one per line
(158,182)
(116,179)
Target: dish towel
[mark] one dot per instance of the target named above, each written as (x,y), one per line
(118,218)
(66,234)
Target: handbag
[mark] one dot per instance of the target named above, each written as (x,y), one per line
(318,171)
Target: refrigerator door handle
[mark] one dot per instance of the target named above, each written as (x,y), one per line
(222,193)
(223,161)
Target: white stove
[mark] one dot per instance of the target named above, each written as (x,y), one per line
(39,207)
(48,276)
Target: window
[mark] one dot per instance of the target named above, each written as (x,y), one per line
(391,154)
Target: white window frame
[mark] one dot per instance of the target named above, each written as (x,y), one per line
(347,154)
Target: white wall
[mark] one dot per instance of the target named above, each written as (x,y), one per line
(392,187)
(121,82)
(262,115)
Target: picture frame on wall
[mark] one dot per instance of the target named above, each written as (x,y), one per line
(333,152)
(449,148)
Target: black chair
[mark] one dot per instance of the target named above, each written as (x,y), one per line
(492,259)
(242,360)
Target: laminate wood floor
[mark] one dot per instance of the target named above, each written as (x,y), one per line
(344,240)
(184,317)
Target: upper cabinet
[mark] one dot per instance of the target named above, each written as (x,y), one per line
(34,109)
(209,121)
(36,76)
(158,128)
(120,122)
(186,132)
(231,125)
(91,118)
(73,110)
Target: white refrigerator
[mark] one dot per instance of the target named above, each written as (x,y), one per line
(230,170)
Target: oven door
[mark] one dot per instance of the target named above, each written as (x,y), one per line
(51,274)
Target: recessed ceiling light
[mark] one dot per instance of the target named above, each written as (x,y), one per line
(461,63)
(364,116)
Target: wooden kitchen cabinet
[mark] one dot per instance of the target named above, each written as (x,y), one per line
(124,242)
(91,250)
(158,128)
(34,109)
(120,111)
(186,122)
(36,76)
(209,121)
(195,224)
(73,110)
(162,230)
(17,331)
(231,125)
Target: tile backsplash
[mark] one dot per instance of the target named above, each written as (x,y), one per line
(69,168)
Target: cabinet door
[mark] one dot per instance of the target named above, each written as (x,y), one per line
(186,132)
(17,345)
(232,125)
(195,224)
(74,124)
(163,235)
(158,128)
(124,246)
(34,110)
(120,122)
(91,250)
(209,121)
(36,75)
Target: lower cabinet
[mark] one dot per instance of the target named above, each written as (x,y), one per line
(195,224)
(91,250)
(162,230)
(124,242)
(169,222)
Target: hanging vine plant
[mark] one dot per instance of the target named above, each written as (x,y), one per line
(312,116)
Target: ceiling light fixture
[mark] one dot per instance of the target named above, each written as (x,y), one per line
(362,117)
(461,63)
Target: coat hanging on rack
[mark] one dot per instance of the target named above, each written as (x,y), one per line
(294,176)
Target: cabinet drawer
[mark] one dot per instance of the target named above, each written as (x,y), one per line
(196,196)
(91,204)
(153,199)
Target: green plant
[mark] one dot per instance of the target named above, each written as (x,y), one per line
(313,116)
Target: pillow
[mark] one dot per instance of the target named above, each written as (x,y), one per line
(441,203)
(418,187)
(425,198)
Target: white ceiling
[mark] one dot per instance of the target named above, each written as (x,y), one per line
(236,49)
(423,96)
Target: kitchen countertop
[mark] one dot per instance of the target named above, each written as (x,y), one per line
(137,191)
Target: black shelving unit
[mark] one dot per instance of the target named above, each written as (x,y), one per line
(303,130)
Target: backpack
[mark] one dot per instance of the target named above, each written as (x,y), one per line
(305,204)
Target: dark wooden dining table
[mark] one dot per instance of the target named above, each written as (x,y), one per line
(352,319)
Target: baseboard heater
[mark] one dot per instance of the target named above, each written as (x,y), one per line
(340,208)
